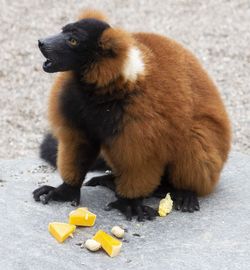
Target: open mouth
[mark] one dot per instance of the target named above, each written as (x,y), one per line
(50,64)
(47,64)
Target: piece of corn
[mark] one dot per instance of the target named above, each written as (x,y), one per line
(61,231)
(82,217)
(111,245)
(165,206)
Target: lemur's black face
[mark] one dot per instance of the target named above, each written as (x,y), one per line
(74,47)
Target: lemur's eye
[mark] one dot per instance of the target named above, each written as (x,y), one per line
(73,41)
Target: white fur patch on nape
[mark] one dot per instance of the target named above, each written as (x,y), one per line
(133,65)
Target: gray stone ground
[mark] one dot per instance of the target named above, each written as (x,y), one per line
(216,238)
(216,30)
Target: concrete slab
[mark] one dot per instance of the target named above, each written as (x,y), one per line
(217,237)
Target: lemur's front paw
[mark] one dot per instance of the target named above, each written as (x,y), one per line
(133,207)
(185,200)
(64,192)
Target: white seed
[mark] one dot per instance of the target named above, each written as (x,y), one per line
(117,231)
(92,245)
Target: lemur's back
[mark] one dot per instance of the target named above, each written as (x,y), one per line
(181,74)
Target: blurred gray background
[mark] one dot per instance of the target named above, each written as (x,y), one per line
(217,31)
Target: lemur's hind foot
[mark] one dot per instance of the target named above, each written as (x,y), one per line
(129,207)
(133,207)
(185,201)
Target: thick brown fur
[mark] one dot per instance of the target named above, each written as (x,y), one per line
(177,119)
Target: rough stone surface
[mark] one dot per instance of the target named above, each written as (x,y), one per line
(216,31)
(217,237)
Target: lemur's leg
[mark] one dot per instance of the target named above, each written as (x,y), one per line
(75,157)
(196,171)
(48,152)
(132,186)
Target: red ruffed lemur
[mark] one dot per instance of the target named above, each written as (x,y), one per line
(144,104)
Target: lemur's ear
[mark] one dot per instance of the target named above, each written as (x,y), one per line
(115,41)
(114,46)
(92,14)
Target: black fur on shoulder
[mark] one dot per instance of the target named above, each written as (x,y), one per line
(48,149)
(97,115)
(48,152)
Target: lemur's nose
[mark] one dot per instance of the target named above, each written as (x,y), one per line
(40,43)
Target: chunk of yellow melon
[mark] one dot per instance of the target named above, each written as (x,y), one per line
(61,231)
(82,217)
(111,245)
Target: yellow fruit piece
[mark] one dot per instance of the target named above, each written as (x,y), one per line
(61,231)
(111,245)
(82,217)
(165,206)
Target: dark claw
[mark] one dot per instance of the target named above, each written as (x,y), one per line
(128,213)
(108,208)
(186,201)
(150,212)
(191,208)
(185,205)
(178,203)
(191,205)
(130,207)
(178,199)
(46,198)
(196,203)
(112,205)
(140,213)
(75,202)
(197,207)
